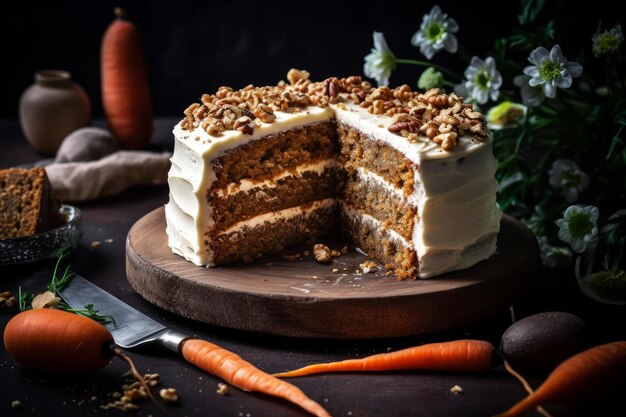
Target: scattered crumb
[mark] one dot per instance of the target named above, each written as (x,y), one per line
(335,253)
(222,389)
(456,389)
(344,250)
(306,253)
(368,266)
(109,240)
(294,257)
(132,392)
(335,270)
(357,271)
(169,395)
(16,404)
(8,302)
(95,244)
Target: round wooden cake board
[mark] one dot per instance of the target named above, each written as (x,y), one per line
(303,298)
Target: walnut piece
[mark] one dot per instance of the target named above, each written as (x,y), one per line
(45,300)
(322,254)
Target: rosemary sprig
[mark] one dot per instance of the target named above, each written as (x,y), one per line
(88,312)
(58,283)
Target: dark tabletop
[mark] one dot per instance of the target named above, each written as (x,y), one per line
(407,393)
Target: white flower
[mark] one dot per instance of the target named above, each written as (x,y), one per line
(566,175)
(579,226)
(531,96)
(380,63)
(483,81)
(436,33)
(607,42)
(551,70)
(554,256)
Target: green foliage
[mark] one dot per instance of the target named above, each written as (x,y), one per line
(582,127)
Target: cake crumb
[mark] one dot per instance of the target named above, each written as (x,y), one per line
(368,266)
(294,257)
(95,244)
(169,395)
(335,253)
(306,253)
(335,270)
(109,240)
(16,404)
(344,250)
(222,389)
(456,389)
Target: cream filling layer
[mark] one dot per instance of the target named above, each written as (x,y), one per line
(247,185)
(281,215)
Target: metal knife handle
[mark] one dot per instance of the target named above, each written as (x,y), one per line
(171,340)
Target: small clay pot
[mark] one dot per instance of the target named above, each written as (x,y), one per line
(52,108)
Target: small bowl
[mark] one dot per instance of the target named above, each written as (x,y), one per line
(23,250)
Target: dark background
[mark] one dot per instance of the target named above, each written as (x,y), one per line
(193,47)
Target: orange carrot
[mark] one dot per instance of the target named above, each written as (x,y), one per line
(57,341)
(125,91)
(577,377)
(458,355)
(53,340)
(244,375)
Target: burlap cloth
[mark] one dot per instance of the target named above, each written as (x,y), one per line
(89,165)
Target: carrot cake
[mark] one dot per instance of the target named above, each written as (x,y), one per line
(27,203)
(407,177)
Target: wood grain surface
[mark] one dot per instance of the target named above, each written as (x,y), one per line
(303,298)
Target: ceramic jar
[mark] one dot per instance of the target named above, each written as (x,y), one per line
(52,108)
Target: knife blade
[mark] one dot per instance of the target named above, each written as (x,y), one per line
(130,328)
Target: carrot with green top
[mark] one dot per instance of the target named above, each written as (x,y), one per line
(458,355)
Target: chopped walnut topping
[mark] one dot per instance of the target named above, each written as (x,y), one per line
(431,114)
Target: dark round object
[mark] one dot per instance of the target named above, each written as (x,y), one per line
(540,342)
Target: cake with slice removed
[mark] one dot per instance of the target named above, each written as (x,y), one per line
(407,177)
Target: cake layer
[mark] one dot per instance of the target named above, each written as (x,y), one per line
(273,232)
(276,153)
(245,199)
(379,242)
(371,194)
(359,150)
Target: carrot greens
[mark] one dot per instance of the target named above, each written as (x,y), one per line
(57,283)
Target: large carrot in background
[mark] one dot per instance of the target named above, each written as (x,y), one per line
(125,91)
